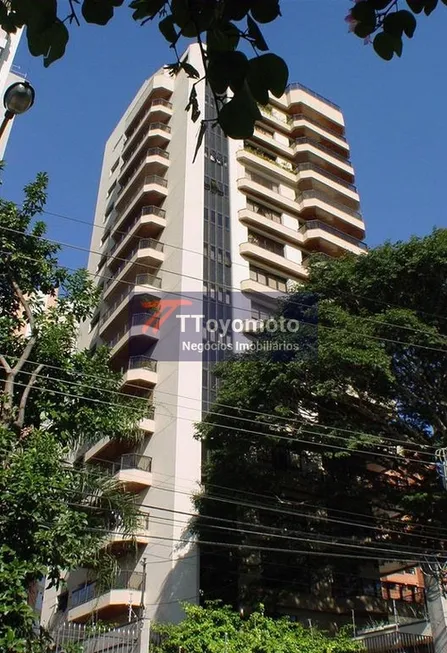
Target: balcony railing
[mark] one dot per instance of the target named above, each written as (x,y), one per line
(146,279)
(151,179)
(303,140)
(142,525)
(262,181)
(143,243)
(137,319)
(301,87)
(302,116)
(132,580)
(146,210)
(142,363)
(128,461)
(317,224)
(264,211)
(311,166)
(151,127)
(316,194)
(152,151)
(154,103)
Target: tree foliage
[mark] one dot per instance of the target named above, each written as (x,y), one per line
(226,26)
(328,449)
(53,513)
(216,627)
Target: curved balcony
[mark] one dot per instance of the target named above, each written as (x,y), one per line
(159,110)
(133,470)
(252,251)
(249,156)
(151,217)
(315,203)
(311,176)
(319,130)
(125,590)
(156,134)
(275,118)
(308,149)
(119,537)
(269,222)
(265,138)
(321,235)
(142,326)
(154,158)
(140,370)
(108,447)
(267,191)
(152,185)
(148,252)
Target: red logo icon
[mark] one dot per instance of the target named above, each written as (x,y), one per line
(161,310)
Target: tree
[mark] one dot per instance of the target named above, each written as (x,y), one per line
(54,514)
(225,25)
(216,627)
(326,450)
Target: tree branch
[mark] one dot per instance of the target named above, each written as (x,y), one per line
(22,406)
(4,363)
(32,340)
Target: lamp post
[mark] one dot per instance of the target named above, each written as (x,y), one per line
(18,98)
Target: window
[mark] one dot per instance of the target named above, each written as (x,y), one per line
(62,602)
(266,243)
(260,209)
(267,279)
(259,312)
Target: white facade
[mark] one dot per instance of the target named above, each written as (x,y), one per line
(242,220)
(8,74)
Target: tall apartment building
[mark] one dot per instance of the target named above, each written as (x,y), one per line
(8,75)
(239,223)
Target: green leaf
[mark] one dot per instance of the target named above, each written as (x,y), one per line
(223,37)
(364,12)
(236,9)
(146,8)
(98,12)
(264,11)
(227,69)
(166,27)
(193,104)
(416,6)
(192,24)
(267,73)
(384,45)
(58,42)
(255,33)
(238,116)
(430,5)
(202,132)
(363,30)
(407,22)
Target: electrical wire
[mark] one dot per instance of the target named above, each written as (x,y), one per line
(267,435)
(368,336)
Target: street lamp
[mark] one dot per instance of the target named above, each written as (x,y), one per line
(18,98)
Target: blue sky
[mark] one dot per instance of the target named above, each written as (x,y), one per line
(394,112)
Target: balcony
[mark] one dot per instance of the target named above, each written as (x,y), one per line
(263,137)
(159,109)
(153,188)
(140,371)
(320,130)
(108,601)
(267,191)
(133,470)
(157,134)
(108,447)
(312,175)
(148,252)
(154,158)
(253,157)
(305,149)
(118,536)
(269,222)
(253,251)
(142,326)
(151,217)
(275,118)
(323,235)
(316,203)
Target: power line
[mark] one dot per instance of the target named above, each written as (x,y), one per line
(333,328)
(267,435)
(233,408)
